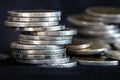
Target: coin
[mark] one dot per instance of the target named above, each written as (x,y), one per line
(65,32)
(63,65)
(41,52)
(45,61)
(28,24)
(95,48)
(30,37)
(34,13)
(109,12)
(96,61)
(113,54)
(26,19)
(3,56)
(16,45)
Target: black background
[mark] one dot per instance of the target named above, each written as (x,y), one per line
(14,71)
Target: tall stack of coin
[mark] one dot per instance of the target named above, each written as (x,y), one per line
(98,27)
(42,38)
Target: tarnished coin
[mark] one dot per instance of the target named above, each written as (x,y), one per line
(45,38)
(41,52)
(95,48)
(28,24)
(34,13)
(33,42)
(65,32)
(110,12)
(96,61)
(26,19)
(45,61)
(16,45)
(63,65)
(113,54)
(37,57)
(79,20)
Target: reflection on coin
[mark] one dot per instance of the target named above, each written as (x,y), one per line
(101,61)
(34,13)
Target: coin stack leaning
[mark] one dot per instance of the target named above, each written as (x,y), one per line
(99,24)
(42,38)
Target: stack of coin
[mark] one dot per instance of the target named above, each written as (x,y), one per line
(98,24)
(97,27)
(42,38)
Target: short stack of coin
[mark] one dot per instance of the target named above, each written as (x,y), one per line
(42,38)
(98,24)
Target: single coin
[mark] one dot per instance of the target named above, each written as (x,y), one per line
(65,32)
(41,52)
(37,57)
(110,12)
(96,61)
(46,38)
(95,48)
(79,20)
(63,65)
(28,24)
(113,54)
(34,13)
(37,19)
(60,42)
(45,61)
(49,28)
(16,45)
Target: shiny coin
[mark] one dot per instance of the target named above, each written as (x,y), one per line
(41,52)
(46,38)
(65,32)
(63,65)
(60,42)
(96,61)
(113,54)
(16,45)
(95,48)
(109,12)
(49,28)
(45,61)
(34,13)
(25,19)
(28,24)
(39,57)
(79,20)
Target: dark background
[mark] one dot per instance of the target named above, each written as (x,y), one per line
(14,71)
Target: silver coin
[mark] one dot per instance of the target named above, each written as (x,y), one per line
(95,48)
(26,19)
(48,38)
(60,42)
(63,65)
(96,61)
(79,20)
(28,24)
(3,56)
(45,61)
(34,13)
(65,32)
(38,57)
(113,54)
(109,12)
(103,19)
(16,45)
(49,28)
(41,52)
